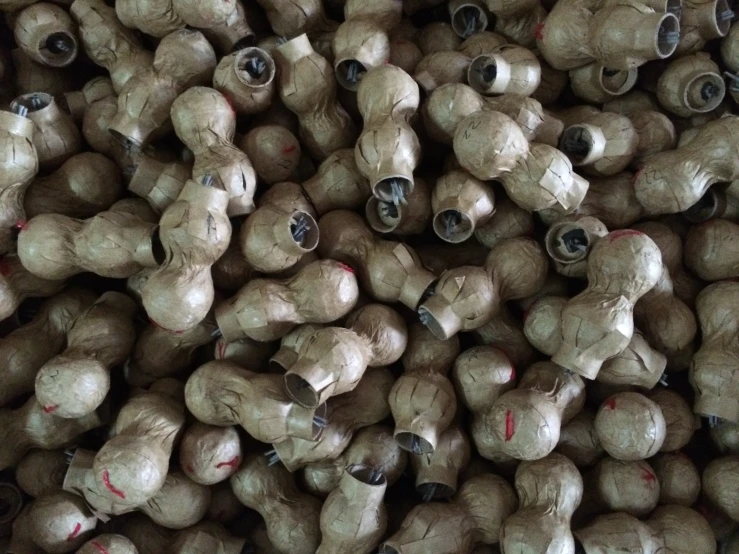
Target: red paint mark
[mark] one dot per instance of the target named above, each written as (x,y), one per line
(233,463)
(610,403)
(288,149)
(73,534)
(99,547)
(648,476)
(623,233)
(189,469)
(230,105)
(4,266)
(50,409)
(346,267)
(110,487)
(513,373)
(21,224)
(221,350)
(509,426)
(539,31)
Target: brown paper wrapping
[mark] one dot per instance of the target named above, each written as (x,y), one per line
(205,122)
(209,454)
(388,150)
(401,219)
(438,472)
(95,122)
(268,309)
(506,333)
(422,401)
(679,418)
(179,503)
(468,297)
(619,531)
(41,472)
(46,33)
(161,353)
(365,405)
(549,491)
(468,17)
(719,202)
(388,270)
(184,58)
(337,184)
(373,446)
(598,84)
(214,395)
(108,43)
(76,102)
(112,244)
(27,348)
(231,270)
(579,441)
(332,360)
(56,523)
(292,517)
(441,68)
(679,480)
(83,186)
(509,221)
(404,53)
(233,34)
(691,84)
(446,107)
(630,426)
(291,20)
(506,69)
(714,384)
(55,134)
(273,150)
(208,537)
(475,516)
(683,530)
(725,436)
(246,79)
(504,144)
(701,21)
(438,36)
(304,76)
(440,256)
(625,486)
(224,507)
(290,344)
(156,18)
(31,76)
(632,265)
(30,427)
(108,543)
(720,485)
(675,180)
(460,203)
(17,284)
(148,537)
(199,14)
(710,250)
(75,382)
(569,241)
(354,518)
(656,134)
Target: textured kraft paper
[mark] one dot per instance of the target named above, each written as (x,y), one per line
(720,485)
(224,507)
(274,152)
(578,440)
(214,394)
(108,43)
(373,446)
(569,241)
(232,34)
(55,135)
(388,150)
(701,21)
(148,537)
(31,76)
(711,250)
(245,352)
(509,221)
(290,344)
(337,184)
(17,284)
(304,76)
(156,18)
(36,25)
(333,360)
(231,270)
(423,400)
(438,473)
(75,382)
(508,69)
(691,85)
(403,219)
(204,14)
(549,491)
(716,386)
(113,243)
(679,480)
(725,436)
(625,486)
(597,84)
(718,202)
(460,204)
(208,537)
(680,421)
(205,122)
(527,420)
(474,516)
(19,164)
(76,102)
(675,180)
(292,517)
(656,134)
(506,333)
(86,184)
(194,232)
(441,68)
(95,122)
(630,426)
(29,347)
(291,20)
(108,544)
(41,472)
(389,271)
(353,517)
(210,454)
(267,309)
(597,324)
(439,257)
(29,427)
(157,182)
(468,297)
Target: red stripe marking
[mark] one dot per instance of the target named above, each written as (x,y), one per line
(623,233)
(232,463)
(610,403)
(110,487)
(539,31)
(50,409)
(21,224)
(73,534)
(221,350)
(189,468)
(346,267)
(289,148)
(509,426)
(648,476)
(513,373)
(100,547)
